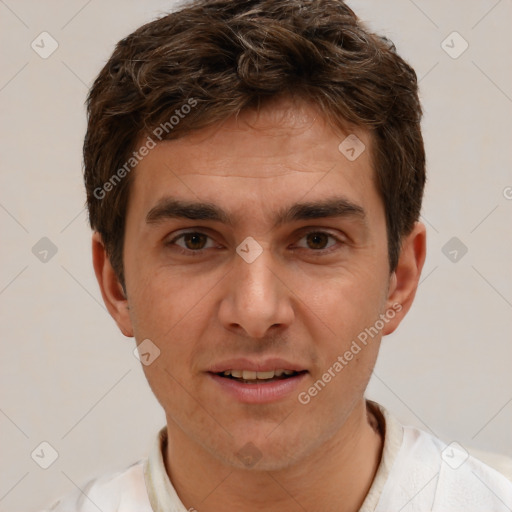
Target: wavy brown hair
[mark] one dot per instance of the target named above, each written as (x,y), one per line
(227,56)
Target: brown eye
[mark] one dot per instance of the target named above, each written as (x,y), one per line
(317,240)
(320,242)
(194,241)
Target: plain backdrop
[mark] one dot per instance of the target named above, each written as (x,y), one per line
(70,379)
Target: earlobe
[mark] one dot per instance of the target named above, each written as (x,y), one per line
(405,279)
(111,289)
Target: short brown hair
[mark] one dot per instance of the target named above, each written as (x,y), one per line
(223,56)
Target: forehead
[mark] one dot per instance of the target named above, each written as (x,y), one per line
(284,130)
(259,160)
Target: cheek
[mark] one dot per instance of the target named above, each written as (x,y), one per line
(345,300)
(343,313)
(173,312)
(164,299)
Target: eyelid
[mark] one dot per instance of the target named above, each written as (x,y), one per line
(308,229)
(179,234)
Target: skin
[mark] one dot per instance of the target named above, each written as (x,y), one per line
(292,302)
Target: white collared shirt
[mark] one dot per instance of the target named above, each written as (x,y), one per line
(417,473)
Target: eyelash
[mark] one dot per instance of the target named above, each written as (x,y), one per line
(190,252)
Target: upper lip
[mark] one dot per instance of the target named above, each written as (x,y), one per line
(264,365)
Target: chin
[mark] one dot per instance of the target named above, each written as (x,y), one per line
(251,458)
(264,452)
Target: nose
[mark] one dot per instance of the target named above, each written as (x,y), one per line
(257,298)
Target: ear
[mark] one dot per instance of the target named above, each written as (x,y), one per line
(111,289)
(404,281)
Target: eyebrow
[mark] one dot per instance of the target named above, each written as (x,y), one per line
(171,208)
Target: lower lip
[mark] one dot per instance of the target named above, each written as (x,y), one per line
(259,393)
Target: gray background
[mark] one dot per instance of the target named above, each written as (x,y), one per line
(70,378)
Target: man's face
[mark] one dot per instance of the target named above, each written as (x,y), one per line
(317,284)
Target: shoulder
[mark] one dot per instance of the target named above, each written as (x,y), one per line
(123,490)
(431,475)
(466,480)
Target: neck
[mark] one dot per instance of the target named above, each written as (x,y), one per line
(337,477)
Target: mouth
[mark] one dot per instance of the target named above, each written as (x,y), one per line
(258,387)
(254,377)
(257,381)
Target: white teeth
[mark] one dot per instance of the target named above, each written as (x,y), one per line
(264,375)
(252,375)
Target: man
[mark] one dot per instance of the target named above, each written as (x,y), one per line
(254,175)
